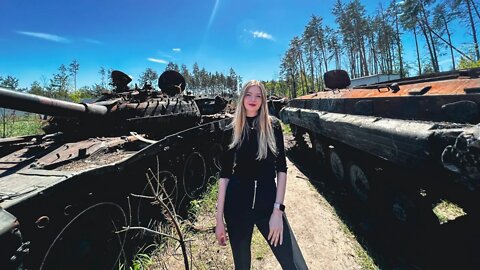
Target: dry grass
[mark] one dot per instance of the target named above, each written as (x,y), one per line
(447,211)
(204,251)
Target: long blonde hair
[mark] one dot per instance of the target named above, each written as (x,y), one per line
(265,134)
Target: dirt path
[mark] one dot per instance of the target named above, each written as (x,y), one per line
(322,237)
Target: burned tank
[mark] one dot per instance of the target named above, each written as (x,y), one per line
(66,195)
(401,145)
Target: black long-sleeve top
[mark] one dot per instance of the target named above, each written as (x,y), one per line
(242,161)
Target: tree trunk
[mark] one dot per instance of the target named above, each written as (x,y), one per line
(4,122)
(433,47)
(475,8)
(294,93)
(474,33)
(312,74)
(302,73)
(324,57)
(450,41)
(424,31)
(434,50)
(399,44)
(418,52)
(319,77)
(338,64)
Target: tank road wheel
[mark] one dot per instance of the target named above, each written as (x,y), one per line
(149,214)
(409,211)
(215,154)
(319,148)
(298,133)
(91,240)
(336,165)
(402,207)
(194,174)
(359,181)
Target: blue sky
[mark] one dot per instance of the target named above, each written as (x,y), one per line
(251,36)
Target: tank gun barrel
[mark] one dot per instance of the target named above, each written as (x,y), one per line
(37,104)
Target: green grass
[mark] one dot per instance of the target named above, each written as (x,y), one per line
(21,126)
(286,128)
(207,202)
(260,247)
(364,259)
(141,261)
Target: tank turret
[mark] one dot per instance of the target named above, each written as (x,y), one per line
(125,109)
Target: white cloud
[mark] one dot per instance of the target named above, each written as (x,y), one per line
(45,36)
(176,49)
(261,34)
(161,61)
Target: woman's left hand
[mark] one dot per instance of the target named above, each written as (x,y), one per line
(275,236)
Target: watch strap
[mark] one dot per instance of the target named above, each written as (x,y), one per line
(279,206)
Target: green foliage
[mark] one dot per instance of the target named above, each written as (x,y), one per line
(149,76)
(140,261)
(9,82)
(260,247)
(36,89)
(286,128)
(207,202)
(23,125)
(82,93)
(59,84)
(465,63)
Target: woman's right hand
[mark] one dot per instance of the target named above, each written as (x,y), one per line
(220,233)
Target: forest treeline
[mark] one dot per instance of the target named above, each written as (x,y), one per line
(63,83)
(372,44)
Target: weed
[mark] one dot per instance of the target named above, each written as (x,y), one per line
(447,211)
(141,261)
(286,128)
(23,125)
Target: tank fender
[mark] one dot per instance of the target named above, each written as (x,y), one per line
(463,111)
(13,249)
(463,157)
(399,141)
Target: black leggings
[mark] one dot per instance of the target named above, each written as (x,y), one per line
(240,234)
(249,203)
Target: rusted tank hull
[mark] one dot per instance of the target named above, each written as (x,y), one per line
(400,141)
(52,203)
(400,146)
(411,144)
(454,100)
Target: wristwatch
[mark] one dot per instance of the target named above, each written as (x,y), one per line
(279,206)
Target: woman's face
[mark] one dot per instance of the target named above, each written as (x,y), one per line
(252,100)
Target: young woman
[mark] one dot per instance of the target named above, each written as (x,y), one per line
(248,194)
